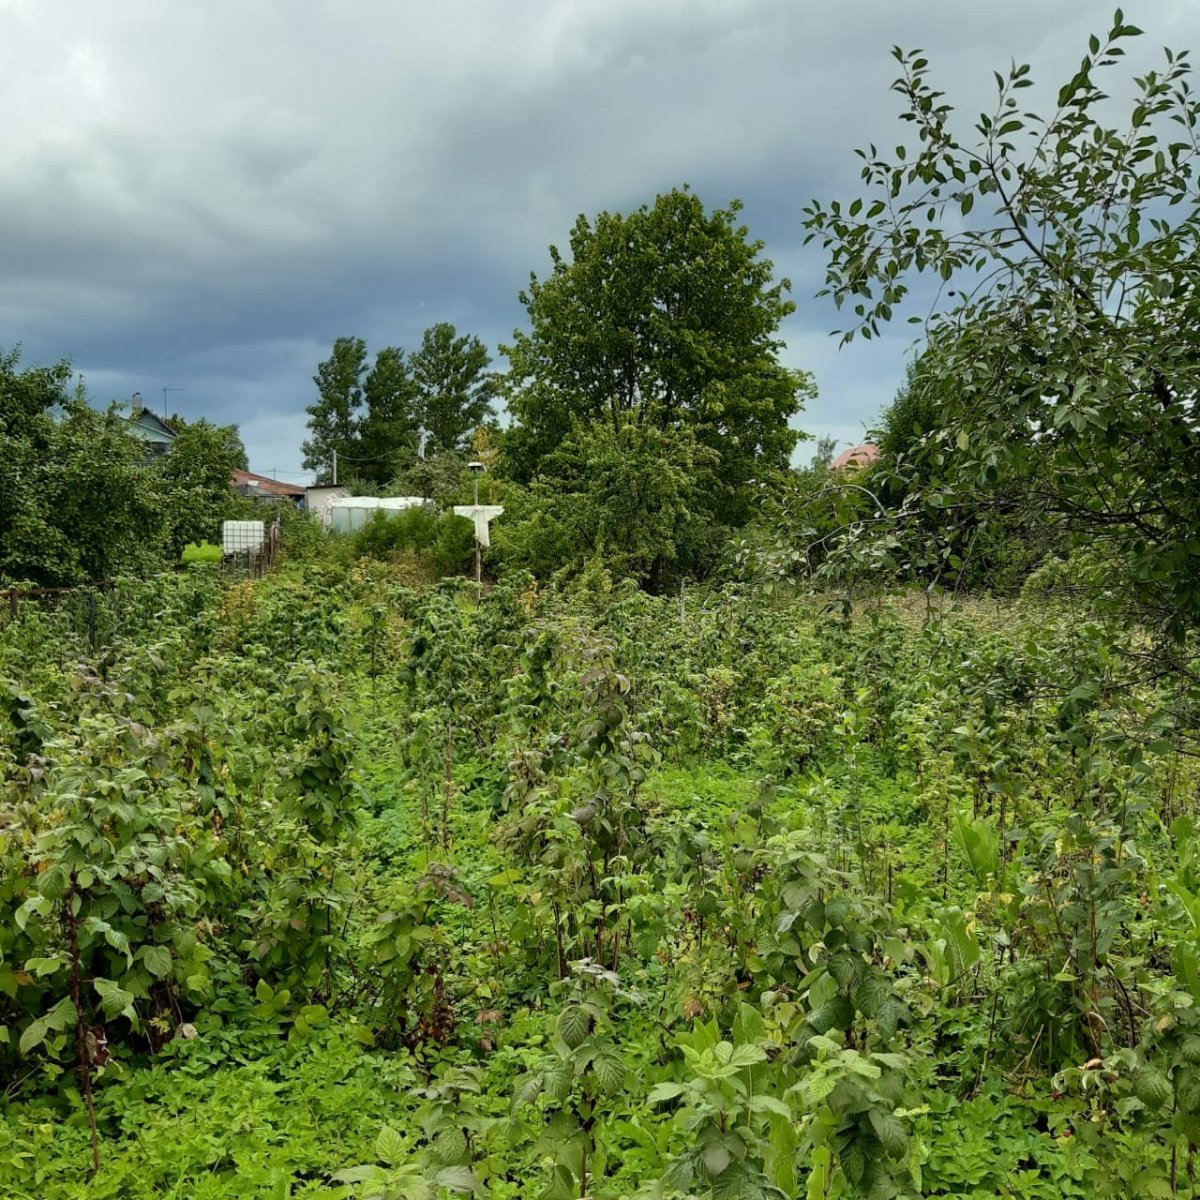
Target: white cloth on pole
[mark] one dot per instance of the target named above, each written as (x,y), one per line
(480,514)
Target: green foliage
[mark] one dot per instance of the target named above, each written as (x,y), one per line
(332,419)
(432,399)
(205,552)
(632,496)
(1063,374)
(192,483)
(661,324)
(78,502)
(454,388)
(328,884)
(441,542)
(387,433)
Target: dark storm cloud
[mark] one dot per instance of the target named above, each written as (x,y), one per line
(205,196)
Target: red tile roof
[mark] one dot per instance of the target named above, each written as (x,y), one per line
(856,456)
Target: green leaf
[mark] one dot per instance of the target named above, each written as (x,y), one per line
(33,1035)
(770,1104)
(42,967)
(820,1177)
(557,1082)
(747,1056)
(609,1069)
(157,960)
(834,1014)
(1151,1087)
(574,1024)
(892,1135)
(389,1147)
(115,1001)
(716,1158)
(62,1016)
(457,1179)
(662,1092)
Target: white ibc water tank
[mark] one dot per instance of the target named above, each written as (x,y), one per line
(242,537)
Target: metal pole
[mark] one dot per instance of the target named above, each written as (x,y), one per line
(335,468)
(478,550)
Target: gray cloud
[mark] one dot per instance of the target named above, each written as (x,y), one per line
(205,196)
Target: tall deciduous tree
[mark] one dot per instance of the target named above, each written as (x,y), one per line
(193,482)
(74,503)
(388,430)
(454,387)
(333,419)
(668,316)
(1065,250)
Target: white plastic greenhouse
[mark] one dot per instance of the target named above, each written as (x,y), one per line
(348,513)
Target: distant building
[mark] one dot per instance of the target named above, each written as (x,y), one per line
(319,501)
(270,491)
(152,430)
(855,458)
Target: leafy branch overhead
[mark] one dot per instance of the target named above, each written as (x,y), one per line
(1060,251)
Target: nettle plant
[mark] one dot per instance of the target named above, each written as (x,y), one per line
(821,963)
(580,826)
(404,956)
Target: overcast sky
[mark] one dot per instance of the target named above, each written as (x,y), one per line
(203,196)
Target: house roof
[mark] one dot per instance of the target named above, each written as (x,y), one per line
(153,428)
(857,456)
(265,485)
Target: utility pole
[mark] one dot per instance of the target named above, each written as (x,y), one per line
(335,467)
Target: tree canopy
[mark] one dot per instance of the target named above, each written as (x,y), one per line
(374,416)
(453,387)
(1063,252)
(78,502)
(666,318)
(387,432)
(333,420)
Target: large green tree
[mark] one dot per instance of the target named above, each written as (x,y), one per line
(333,419)
(628,495)
(27,401)
(666,317)
(388,430)
(454,387)
(74,502)
(192,481)
(1063,250)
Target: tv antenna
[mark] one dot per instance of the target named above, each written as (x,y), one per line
(165,391)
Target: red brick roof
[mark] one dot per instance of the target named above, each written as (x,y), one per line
(266,484)
(856,456)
